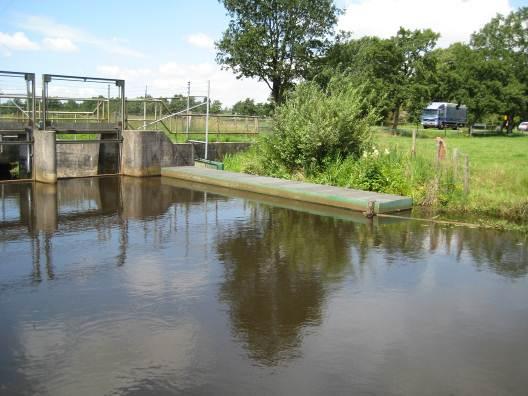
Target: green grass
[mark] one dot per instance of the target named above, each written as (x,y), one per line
(498,171)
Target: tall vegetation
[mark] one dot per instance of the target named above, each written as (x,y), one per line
(316,125)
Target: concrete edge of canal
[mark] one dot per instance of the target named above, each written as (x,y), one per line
(356,200)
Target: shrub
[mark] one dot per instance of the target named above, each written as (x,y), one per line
(314,125)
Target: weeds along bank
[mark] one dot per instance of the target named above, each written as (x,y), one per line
(325,136)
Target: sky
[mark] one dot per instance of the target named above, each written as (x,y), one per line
(162,45)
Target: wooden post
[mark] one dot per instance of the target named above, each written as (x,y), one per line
(466,174)
(370,213)
(455,162)
(413,149)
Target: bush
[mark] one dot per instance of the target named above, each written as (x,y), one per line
(314,125)
(382,171)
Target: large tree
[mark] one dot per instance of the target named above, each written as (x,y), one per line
(397,69)
(275,40)
(465,75)
(504,41)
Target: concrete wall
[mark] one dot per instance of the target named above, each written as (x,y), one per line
(77,160)
(143,154)
(179,154)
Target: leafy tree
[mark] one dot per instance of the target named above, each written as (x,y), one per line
(464,75)
(397,69)
(245,107)
(275,40)
(504,42)
(216,107)
(249,107)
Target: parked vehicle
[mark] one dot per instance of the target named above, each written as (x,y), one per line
(444,115)
(523,126)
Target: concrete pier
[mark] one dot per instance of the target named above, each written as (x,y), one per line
(306,192)
(45,156)
(140,155)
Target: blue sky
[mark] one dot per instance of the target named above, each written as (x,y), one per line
(163,44)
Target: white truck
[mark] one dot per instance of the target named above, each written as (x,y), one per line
(444,115)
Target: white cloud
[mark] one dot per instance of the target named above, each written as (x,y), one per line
(17,41)
(171,78)
(455,20)
(200,40)
(50,28)
(59,44)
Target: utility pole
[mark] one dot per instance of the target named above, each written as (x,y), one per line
(207,117)
(145,109)
(108,115)
(187,112)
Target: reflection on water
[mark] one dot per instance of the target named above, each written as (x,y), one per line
(137,286)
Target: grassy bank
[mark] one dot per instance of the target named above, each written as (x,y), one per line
(498,166)
(498,175)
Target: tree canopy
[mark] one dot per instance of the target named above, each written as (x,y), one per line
(275,41)
(397,68)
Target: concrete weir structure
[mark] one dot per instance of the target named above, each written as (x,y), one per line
(45,156)
(306,192)
(143,153)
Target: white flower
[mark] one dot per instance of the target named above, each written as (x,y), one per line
(365,154)
(375,153)
(387,152)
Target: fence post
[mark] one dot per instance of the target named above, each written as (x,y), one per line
(466,174)
(455,162)
(370,213)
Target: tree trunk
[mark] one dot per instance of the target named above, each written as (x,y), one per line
(276,92)
(510,123)
(396,118)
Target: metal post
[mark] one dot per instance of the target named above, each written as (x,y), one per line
(121,84)
(45,80)
(30,85)
(108,115)
(187,111)
(145,109)
(156,113)
(207,117)
(123,106)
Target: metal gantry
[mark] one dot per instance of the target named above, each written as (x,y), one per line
(18,131)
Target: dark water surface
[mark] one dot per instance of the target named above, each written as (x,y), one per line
(129,286)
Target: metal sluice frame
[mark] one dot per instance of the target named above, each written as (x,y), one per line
(93,127)
(29,113)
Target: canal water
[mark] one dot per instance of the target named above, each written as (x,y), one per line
(143,286)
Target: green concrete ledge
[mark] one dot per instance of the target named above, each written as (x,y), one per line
(306,192)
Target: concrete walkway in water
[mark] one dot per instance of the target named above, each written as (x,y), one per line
(306,192)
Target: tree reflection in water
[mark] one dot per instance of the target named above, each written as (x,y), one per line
(281,265)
